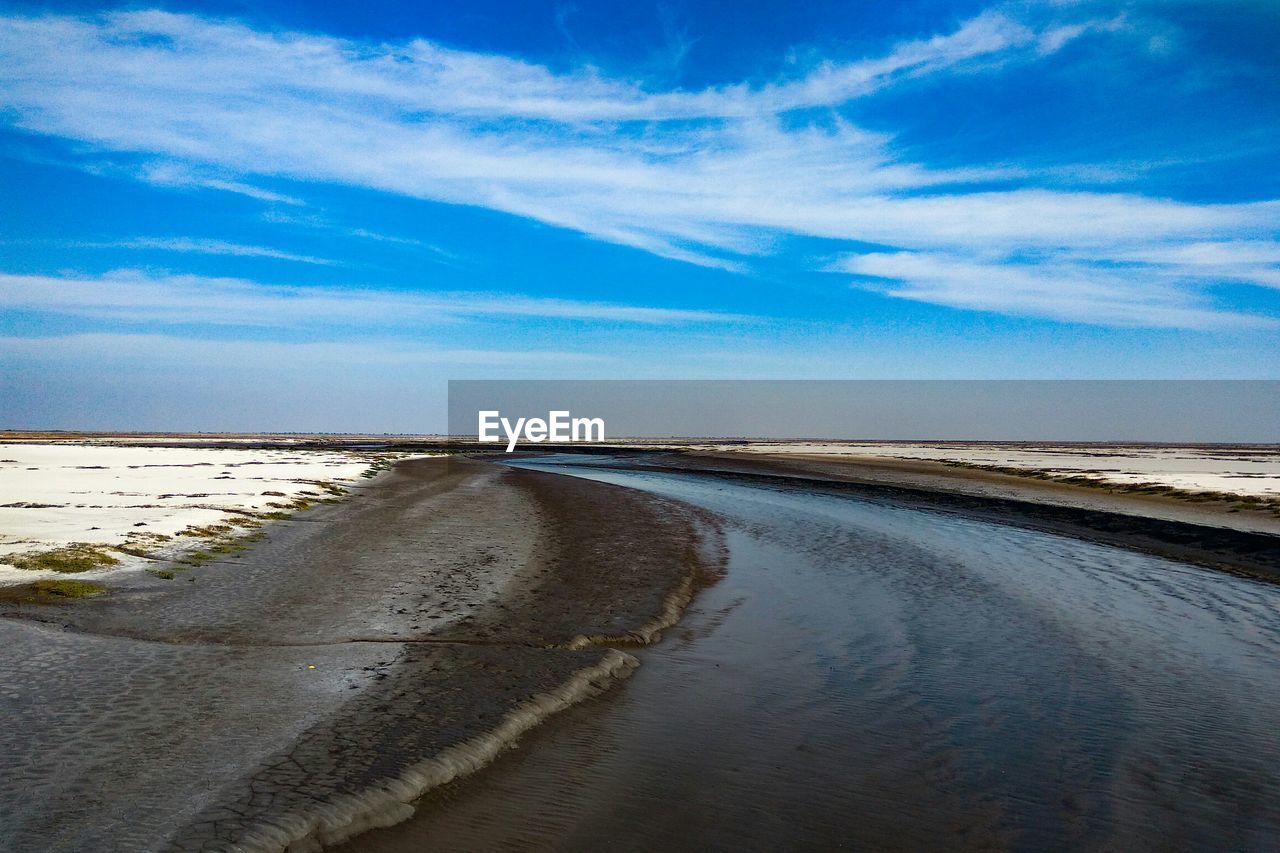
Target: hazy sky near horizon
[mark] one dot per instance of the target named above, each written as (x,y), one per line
(301,216)
(1157,411)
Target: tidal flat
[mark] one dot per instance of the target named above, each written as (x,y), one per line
(357,655)
(778,652)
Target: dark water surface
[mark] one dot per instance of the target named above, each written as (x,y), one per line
(871,676)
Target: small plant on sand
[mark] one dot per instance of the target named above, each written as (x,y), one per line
(229,546)
(275,516)
(69,559)
(208,531)
(163,574)
(331,488)
(378,464)
(142,544)
(295,505)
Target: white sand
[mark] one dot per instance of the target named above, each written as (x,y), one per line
(1238,470)
(57,494)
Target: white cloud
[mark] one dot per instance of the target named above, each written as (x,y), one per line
(322,223)
(1252,262)
(141,297)
(712,177)
(158,349)
(176,175)
(208,247)
(1055,38)
(1056,288)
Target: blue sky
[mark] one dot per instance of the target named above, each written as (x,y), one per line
(300,216)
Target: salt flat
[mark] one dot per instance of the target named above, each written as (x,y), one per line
(1240,470)
(54,495)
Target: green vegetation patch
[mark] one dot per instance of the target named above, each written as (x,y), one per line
(69,559)
(48,591)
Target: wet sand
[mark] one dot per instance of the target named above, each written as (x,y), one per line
(318,683)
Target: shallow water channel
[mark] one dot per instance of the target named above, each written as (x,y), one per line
(876,676)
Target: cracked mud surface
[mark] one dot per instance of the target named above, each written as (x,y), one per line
(286,695)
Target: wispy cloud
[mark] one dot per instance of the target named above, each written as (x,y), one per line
(1056,288)
(176,175)
(185,299)
(1250,262)
(154,349)
(206,246)
(318,222)
(712,177)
